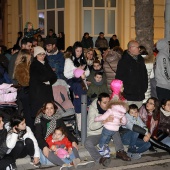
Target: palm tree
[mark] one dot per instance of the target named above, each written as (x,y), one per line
(144,23)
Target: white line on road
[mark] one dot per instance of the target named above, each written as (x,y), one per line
(140,165)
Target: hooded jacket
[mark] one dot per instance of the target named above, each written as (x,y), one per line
(162,72)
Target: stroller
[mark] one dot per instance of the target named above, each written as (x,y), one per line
(8,106)
(65,106)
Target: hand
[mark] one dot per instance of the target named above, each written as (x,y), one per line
(69,151)
(74,144)
(41,29)
(109,119)
(76,96)
(14,129)
(147,137)
(36,160)
(88,83)
(46,151)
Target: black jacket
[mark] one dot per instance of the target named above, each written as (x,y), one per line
(133,73)
(87,42)
(41,129)
(113,43)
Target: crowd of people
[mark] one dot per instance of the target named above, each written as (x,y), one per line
(124,102)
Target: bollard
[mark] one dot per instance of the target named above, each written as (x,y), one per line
(83,118)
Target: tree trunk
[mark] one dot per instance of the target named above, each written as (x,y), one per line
(144,21)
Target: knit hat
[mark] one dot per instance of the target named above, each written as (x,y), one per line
(50,41)
(116,86)
(38,50)
(78,72)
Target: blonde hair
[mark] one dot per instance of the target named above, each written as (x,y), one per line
(88,50)
(24,56)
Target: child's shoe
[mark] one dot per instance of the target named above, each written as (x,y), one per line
(38,165)
(134,155)
(67,167)
(76,161)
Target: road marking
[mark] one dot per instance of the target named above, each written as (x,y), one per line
(140,165)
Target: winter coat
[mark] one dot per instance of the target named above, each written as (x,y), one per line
(101,43)
(41,130)
(31,33)
(12,138)
(39,91)
(164,124)
(118,112)
(162,72)
(87,42)
(110,66)
(96,88)
(113,43)
(93,128)
(56,61)
(133,73)
(61,43)
(3,145)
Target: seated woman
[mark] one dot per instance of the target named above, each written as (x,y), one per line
(45,123)
(21,141)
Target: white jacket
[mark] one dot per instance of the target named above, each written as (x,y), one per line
(93,128)
(69,69)
(12,138)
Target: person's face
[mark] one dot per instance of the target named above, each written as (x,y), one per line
(134,49)
(114,37)
(150,106)
(34,43)
(29,26)
(122,89)
(27,46)
(57,135)
(87,36)
(22,125)
(98,78)
(90,55)
(167,106)
(50,33)
(40,57)
(1,123)
(49,47)
(134,112)
(78,52)
(104,102)
(96,66)
(101,35)
(60,35)
(49,110)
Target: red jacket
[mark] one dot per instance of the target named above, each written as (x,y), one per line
(64,141)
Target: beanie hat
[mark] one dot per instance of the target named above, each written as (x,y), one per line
(78,72)
(38,50)
(50,41)
(116,86)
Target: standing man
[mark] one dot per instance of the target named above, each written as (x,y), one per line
(132,71)
(94,130)
(55,58)
(162,72)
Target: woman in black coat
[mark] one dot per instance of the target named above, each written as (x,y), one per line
(41,79)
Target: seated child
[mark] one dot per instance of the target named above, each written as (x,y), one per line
(117,109)
(59,143)
(97,86)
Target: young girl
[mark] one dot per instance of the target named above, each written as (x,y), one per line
(164,125)
(29,32)
(117,90)
(117,109)
(21,141)
(62,147)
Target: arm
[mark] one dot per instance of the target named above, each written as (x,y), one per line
(68,68)
(11,140)
(104,116)
(123,120)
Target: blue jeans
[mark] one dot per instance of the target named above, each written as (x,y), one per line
(105,137)
(131,138)
(70,159)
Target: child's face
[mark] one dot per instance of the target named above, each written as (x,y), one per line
(49,111)
(57,135)
(22,125)
(134,112)
(167,106)
(122,89)
(98,78)
(29,26)
(90,55)
(1,123)
(78,52)
(150,106)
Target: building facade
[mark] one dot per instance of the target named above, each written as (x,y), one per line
(74,17)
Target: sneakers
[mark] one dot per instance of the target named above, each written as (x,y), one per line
(32,163)
(37,165)
(85,164)
(104,151)
(11,167)
(105,161)
(76,161)
(122,155)
(67,167)
(134,155)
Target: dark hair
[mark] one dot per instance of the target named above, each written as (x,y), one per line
(24,41)
(20,33)
(86,33)
(1,116)
(16,120)
(164,101)
(133,107)
(51,30)
(101,33)
(16,47)
(42,110)
(98,73)
(61,129)
(156,111)
(143,50)
(102,95)
(97,61)
(114,35)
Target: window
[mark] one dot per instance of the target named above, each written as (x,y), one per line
(99,16)
(51,15)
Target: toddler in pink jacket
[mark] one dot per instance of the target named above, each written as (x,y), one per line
(117,109)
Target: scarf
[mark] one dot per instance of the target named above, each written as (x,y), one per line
(52,124)
(101,111)
(166,113)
